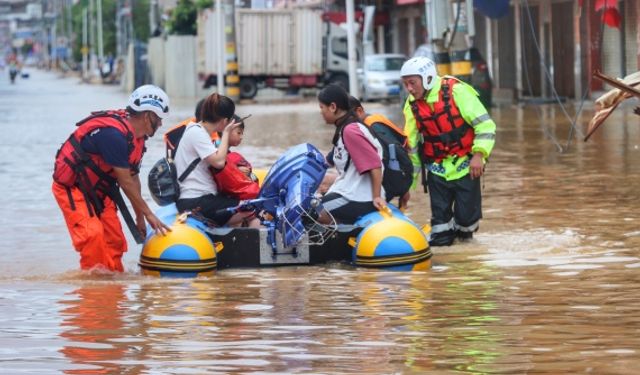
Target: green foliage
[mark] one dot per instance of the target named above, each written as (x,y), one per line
(141,26)
(183,18)
(204,4)
(140,21)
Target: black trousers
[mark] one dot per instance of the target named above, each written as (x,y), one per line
(456,208)
(344,210)
(212,207)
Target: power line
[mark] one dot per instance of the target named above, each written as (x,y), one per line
(547,72)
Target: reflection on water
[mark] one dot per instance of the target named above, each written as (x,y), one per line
(548,285)
(93,323)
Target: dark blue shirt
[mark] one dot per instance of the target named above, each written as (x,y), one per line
(109,143)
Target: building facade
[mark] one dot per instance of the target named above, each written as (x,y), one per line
(541,47)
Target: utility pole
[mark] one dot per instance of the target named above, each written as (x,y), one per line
(69,26)
(153,9)
(232,79)
(221,49)
(351,49)
(54,38)
(118,29)
(100,41)
(85,48)
(131,35)
(92,37)
(124,27)
(43,34)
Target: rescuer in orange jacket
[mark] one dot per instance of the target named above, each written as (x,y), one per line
(101,157)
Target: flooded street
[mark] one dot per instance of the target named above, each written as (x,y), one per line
(549,285)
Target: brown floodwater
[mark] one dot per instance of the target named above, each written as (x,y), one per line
(548,285)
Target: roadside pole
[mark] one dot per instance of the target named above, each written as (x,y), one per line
(118,29)
(100,41)
(54,40)
(233,79)
(221,49)
(351,50)
(85,48)
(92,39)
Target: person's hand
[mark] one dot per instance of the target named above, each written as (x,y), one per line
(379,203)
(244,170)
(637,111)
(404,201)
(157,225)
(231,126)
(476,165)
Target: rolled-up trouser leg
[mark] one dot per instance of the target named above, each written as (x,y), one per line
(467,207)
(441,195)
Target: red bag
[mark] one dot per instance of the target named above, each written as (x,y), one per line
(232,182)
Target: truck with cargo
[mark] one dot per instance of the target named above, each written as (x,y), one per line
(284,49)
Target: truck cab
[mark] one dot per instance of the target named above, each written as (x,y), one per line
(335,56)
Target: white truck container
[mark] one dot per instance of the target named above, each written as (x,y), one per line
(285,49)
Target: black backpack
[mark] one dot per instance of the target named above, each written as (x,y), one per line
(398,169)
(163,181)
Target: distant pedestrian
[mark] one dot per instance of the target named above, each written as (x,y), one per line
(101,157)
(13,71)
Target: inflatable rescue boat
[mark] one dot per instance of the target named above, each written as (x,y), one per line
(287,206)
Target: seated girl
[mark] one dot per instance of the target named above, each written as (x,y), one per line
(357,156)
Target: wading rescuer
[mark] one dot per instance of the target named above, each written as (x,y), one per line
(451,135)
(101,157)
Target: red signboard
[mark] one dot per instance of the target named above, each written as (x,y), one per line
(407,2)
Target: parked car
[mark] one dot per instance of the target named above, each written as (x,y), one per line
(480,76)
(380,76)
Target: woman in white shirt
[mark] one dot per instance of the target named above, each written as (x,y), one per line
(196,151)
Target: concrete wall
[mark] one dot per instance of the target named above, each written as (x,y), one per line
(180,66)
(128,81)
(156,60)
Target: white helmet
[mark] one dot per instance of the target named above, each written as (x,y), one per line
(423,67)
(150,98)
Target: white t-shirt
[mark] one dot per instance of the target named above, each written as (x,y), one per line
(195,143)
